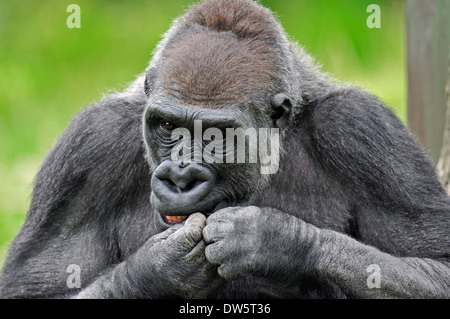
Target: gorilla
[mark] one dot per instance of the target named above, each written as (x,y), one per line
(354,209)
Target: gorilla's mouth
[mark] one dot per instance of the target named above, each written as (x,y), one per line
(165,221)
(181,189)
(174,219)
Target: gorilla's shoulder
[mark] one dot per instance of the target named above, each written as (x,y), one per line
(101,146)
(116,110)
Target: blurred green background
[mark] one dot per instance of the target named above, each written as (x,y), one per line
(49,72)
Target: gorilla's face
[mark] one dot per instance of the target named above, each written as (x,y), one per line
(202,159)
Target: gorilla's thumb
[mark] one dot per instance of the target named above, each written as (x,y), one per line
(190,234)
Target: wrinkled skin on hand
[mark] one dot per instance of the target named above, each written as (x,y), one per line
(258,242)
(182,260)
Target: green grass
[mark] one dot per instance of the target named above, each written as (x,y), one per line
(48,72)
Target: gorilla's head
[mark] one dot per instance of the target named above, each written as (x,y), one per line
(221,69)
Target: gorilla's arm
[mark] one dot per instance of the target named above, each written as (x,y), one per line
(283,249)
(90,207)
(402,214)
(403,210)
(347,262)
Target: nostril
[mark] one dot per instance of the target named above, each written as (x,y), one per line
(183,164)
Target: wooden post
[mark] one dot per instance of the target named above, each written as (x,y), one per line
(443,166)
(428,45)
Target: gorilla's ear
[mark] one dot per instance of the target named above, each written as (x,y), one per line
(281,109)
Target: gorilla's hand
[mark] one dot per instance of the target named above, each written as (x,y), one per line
(177,257)
(261,242)
(169,264)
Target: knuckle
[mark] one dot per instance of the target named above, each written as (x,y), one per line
(217,230)
(213,218)
(223,213)
(211,254)
(226,272)
(249,211)
(222,271)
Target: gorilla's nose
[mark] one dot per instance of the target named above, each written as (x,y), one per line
(180,178)
(178,185)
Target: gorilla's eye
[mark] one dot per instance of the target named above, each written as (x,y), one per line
(167,126)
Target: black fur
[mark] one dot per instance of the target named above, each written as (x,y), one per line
(353,189)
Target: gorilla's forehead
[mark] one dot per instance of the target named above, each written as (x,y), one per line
(212,69)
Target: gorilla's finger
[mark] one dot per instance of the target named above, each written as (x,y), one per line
(197,255)
(215,254)
(228,273)
(164,235)
(221,214)
(197,219)
(214,231)
(191,233)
